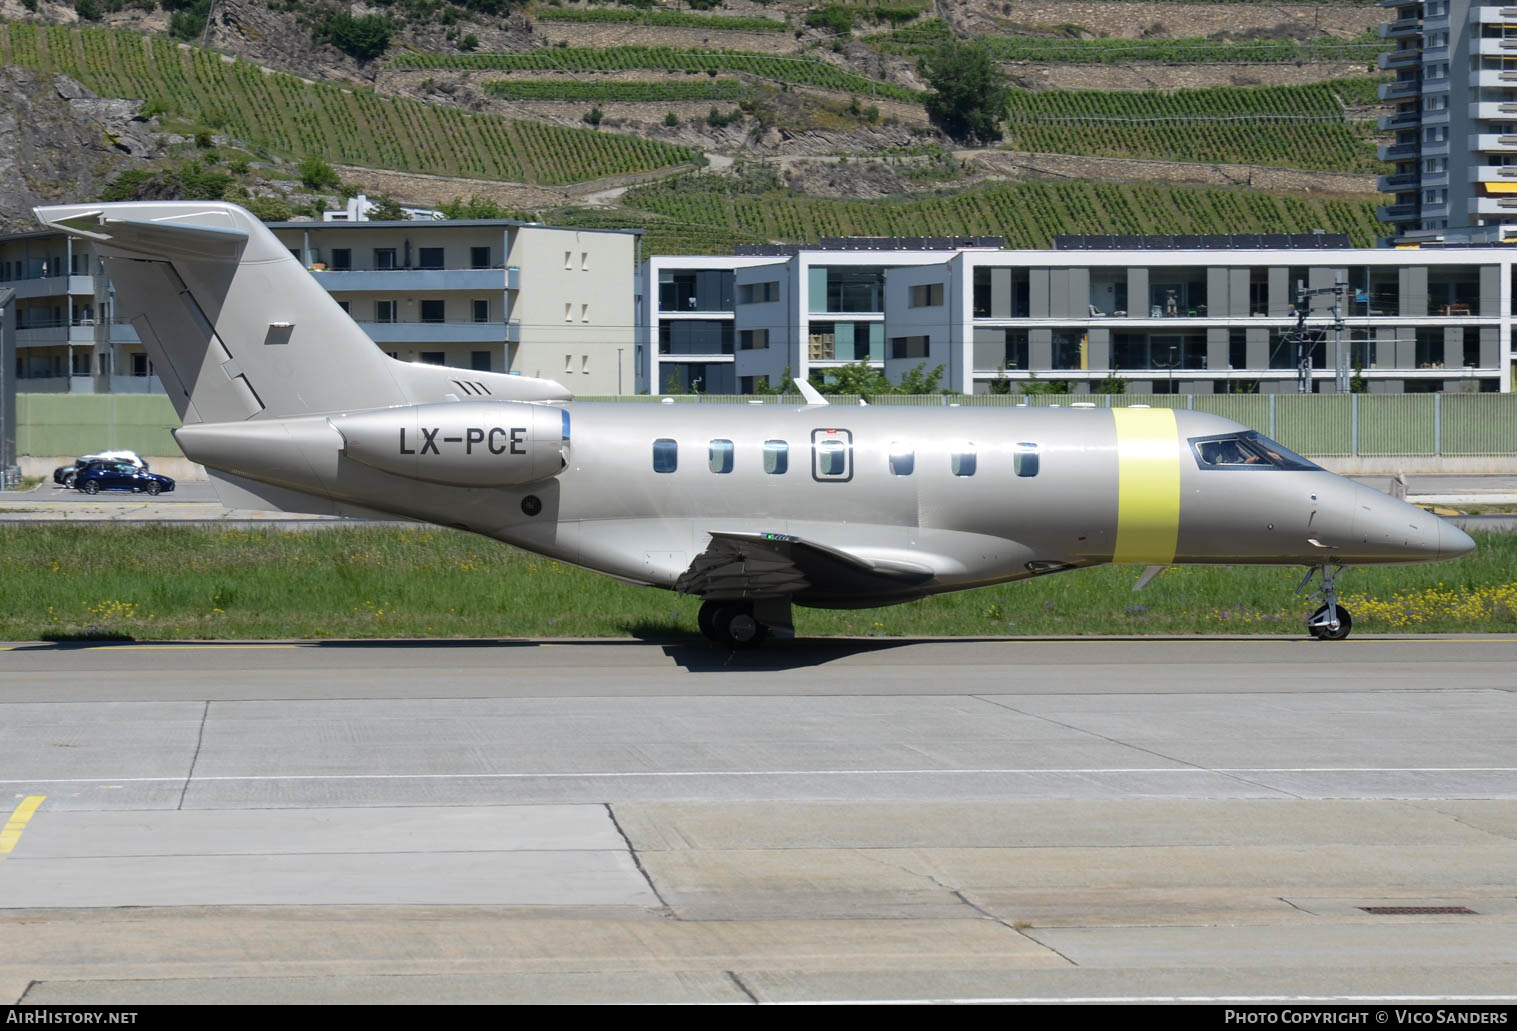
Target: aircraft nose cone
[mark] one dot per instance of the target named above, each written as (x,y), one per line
(1452,541)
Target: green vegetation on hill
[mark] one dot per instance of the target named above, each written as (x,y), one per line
(281,114)
(798,71)
(1290,126)
(921,37)
(667,19)
(705,214)
(616,89)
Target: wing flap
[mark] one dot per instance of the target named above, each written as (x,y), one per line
(757,565)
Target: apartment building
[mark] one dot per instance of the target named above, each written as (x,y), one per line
(1165,315)
(1455,123)
(496,295)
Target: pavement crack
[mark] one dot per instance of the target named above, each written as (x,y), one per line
(1428,804)
(637,861)
(742,987)
(26,991)
(1230,775)
(1297,908)
(199,740)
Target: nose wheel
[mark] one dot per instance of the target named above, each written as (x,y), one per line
(1332,621)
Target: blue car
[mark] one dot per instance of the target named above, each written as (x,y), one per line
(98,476)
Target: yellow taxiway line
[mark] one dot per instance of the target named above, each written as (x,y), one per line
(10,834)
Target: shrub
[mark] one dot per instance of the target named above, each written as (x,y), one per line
(970,96)
(594,116)
(362,39)
(671,119)
(316,174)
(834,19)
(87,10)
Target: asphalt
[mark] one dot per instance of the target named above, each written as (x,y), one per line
(515,821)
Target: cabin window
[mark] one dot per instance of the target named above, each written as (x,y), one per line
(963,462)
(903,460)
(720,456)
(776,457)
(1025,459)
(665,455)
(832,455)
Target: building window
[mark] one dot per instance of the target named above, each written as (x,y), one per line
(903,459)
(752,339)
(479,361)
(384,258)
(568,312)
(568,260)
(908,347)
(479,257)
(481,311)
(720,456)
(342,259)
(384,311)
(758,293)
(432,311)
(776,457)
(1024,460)
(584,313)
(695,289)
(665,455)
(345,306)
(139,364)
(434,358)
(927,295)
(584,261)
(429,257)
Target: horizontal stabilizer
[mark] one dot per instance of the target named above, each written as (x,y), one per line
(162,240)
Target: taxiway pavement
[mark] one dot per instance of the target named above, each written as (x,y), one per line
(834,820)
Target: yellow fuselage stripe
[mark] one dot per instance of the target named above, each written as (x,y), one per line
(11,832)
(1148,485)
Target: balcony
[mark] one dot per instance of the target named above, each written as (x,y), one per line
(412,280)
(1398,182)
(435,332)
(1406,89)
(51,286)
(124,333)
(1493,205)
(1398,151)
(513,278)
(1489,78)
(1396,212)
(1396,59)
(1490,110)
(1496,47)
(1400,120)
(1493,144)
(1400,28)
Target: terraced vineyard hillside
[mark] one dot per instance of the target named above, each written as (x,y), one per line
(496,94)
(282,114)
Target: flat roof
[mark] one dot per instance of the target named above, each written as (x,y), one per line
(452,223)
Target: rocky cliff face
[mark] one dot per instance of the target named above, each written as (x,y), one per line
(60,142)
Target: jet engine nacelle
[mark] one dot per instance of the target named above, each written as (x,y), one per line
(463,444)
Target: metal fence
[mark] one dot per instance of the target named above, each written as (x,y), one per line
(1320,425)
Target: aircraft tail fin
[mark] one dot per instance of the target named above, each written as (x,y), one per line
(238,329)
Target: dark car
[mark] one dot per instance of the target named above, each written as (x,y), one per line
(64,475)
(94,477)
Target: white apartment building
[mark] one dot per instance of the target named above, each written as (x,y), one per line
(1166,315)
(1455,124)
(496,295)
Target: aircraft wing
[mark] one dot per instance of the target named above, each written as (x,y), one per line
(757,565)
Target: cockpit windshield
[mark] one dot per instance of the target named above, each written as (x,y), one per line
(1247,450)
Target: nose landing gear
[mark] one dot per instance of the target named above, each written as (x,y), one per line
(1332,621)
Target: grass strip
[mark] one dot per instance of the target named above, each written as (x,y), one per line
(197,583)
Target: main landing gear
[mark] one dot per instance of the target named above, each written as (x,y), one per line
(1332,621)
(744,624)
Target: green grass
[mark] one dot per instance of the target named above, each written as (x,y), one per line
(280,114)
(167,582)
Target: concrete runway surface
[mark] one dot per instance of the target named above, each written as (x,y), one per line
(503,821)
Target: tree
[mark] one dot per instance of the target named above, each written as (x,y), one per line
(970,96)
(360,38)
(919,381)
(316,174)
(594,115)
(385,209)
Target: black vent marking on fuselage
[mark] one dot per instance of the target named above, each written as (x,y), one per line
(473,387)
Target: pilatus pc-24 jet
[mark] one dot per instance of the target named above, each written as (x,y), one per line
(290,406)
